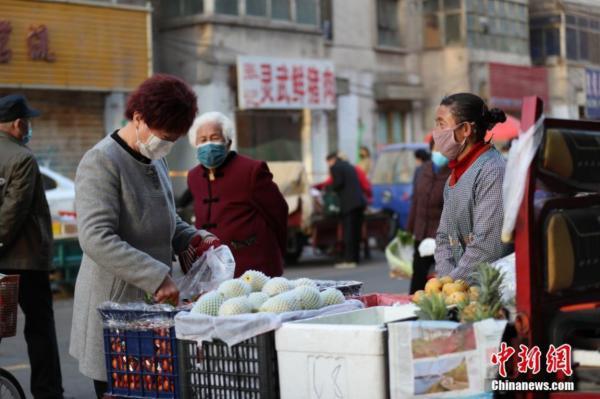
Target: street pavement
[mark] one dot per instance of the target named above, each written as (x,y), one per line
(13,351)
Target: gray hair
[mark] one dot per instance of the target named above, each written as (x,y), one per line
(226,125)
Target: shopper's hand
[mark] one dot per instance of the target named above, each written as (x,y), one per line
(206,243)
(167,292)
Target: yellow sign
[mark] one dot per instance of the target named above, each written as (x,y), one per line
(66,45)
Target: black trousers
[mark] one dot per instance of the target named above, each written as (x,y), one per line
(421,268)
(352,227)
(35,300)
(100,387)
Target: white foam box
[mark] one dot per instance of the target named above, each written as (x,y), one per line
(338,356)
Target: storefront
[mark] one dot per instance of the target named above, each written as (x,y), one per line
(283,108)
(75,62)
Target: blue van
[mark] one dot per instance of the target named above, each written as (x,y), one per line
(392,181)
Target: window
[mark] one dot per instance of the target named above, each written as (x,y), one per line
(453,33)
(257,8)
(433,34)
(443,22)
(180,8)
(552,41)
(572,44)
(270,136)
(389,127)
(387,23)
(503,26)
(306,12)
(327,19)
(582,38)
(229,7)
(280,9)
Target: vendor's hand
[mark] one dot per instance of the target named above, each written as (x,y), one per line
(206,243)
(167,292)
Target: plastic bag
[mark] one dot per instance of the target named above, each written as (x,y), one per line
(137,315)
(211,269)
(520,156)
(427,247)
(399,254)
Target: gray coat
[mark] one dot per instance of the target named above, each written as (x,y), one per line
(128,230)
(25,222)
(471,222)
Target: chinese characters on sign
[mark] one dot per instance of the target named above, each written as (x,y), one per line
(593,93)
(5,53)
(37,43)
(273,83)
(557,359)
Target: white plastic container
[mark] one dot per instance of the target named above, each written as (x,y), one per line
(339,356)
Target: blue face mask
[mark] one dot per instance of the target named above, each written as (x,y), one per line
(27,138)
(439,159)
(212,155)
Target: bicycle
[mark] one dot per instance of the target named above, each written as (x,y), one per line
(9,294)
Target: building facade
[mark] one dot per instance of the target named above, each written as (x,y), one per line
(379,93)
(75,61)
(565,39)
(481,46)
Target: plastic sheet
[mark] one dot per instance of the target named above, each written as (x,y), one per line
(520,156)
(211,269)
(235,329)
(136,316)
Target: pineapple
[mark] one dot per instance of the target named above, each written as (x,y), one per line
(451,288)
(432,307)
(489,301)
(474,293)
(433,286)
(463,284)
(446,280)
(456,297)
(417,296)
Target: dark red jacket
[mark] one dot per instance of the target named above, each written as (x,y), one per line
(245,210)
(427,201)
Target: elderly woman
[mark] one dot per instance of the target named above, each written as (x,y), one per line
(236,199)
(471,221)
(128,228)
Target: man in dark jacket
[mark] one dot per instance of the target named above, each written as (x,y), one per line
(26,241)
(352,207)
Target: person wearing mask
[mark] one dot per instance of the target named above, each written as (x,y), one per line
(425,211)
(364,160)
(26,242)
(346,184)
(471,221)
(236,199)
(128,228)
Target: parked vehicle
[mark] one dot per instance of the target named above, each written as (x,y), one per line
(60,192)
(392,182)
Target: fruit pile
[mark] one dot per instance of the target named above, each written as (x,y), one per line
(151,368)
(474,303)
(255,292)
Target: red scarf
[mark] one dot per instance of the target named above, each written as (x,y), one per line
(460,167)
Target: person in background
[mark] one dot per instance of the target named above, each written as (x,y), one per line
(470,226)
(364,160)
(421,156)
(365,184)
(425,211)
(236,199)
(346,184)
(128,228)
(26,242)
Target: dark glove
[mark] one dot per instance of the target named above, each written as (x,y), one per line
(204,244)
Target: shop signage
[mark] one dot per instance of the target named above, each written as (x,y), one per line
(273,83)
(592,93)
(38,43)
(510,83)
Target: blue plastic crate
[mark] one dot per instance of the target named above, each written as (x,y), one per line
(141,362)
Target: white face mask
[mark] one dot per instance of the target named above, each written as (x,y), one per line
(155,148)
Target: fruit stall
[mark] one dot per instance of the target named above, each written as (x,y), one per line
(261,337)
